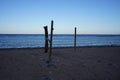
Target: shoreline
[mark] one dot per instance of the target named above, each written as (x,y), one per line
(62,47)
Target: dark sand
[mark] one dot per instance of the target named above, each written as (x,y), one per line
(86,63)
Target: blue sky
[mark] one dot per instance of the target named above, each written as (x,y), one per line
(89,16)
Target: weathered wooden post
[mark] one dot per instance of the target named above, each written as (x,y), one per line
(51,36)
(75,38)
(46,39)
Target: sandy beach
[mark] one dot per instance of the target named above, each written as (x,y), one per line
(86,63)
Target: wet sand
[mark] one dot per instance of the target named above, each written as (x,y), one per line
(86,63)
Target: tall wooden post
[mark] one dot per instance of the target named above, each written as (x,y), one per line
(75,38)
(51,36)
(46,39)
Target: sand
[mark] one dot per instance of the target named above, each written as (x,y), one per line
(86,63)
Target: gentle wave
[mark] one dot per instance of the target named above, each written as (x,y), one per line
(63,40)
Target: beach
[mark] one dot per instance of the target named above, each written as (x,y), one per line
(84,63)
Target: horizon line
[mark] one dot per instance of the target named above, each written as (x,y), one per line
(53,34)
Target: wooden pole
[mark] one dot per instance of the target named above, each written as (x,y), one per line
(75,38)
(46,39)
(51,35)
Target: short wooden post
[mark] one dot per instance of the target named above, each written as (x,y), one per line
(46,39)
(75,38)
(51,36)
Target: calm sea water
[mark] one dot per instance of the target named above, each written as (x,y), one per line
(63,40)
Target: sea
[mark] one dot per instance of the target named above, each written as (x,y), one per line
(59,40)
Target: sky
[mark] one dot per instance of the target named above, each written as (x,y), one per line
(89,16)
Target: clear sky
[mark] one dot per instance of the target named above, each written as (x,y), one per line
(89,16)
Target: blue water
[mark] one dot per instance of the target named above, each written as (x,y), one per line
(63,40)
